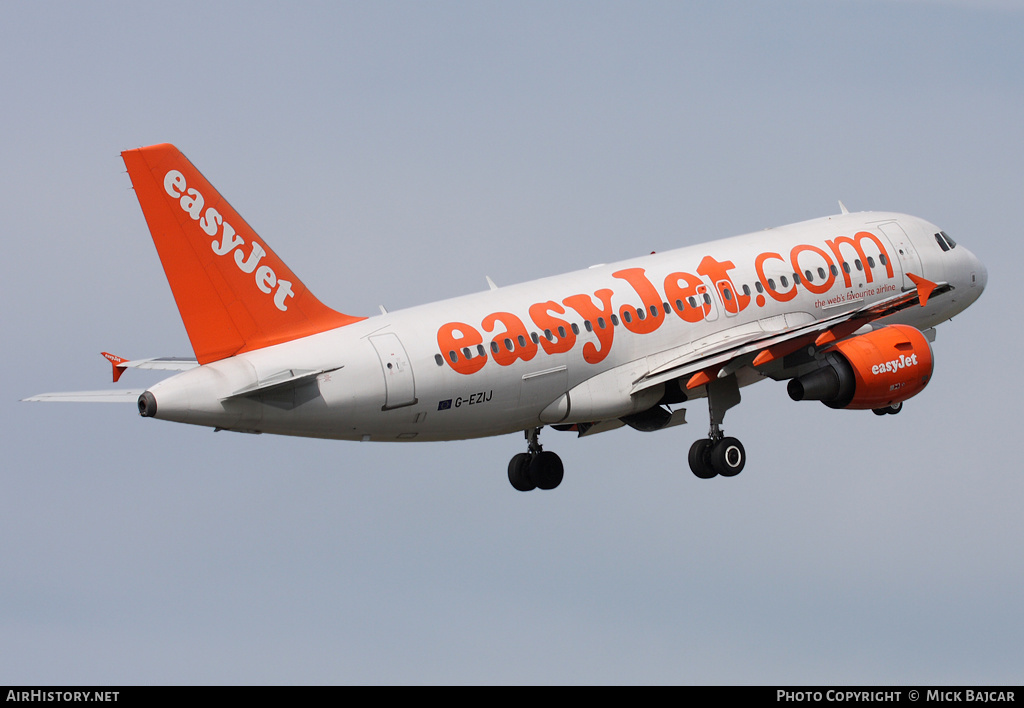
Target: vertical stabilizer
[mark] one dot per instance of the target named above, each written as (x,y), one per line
(233,292)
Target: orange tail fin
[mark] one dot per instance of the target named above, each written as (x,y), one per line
(234,294)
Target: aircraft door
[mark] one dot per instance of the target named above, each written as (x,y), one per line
(909,260)
(399,383)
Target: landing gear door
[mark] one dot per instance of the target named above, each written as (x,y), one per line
(399,384)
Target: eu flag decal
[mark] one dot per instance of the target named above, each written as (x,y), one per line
(444,405)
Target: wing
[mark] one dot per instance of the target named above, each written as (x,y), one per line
(119,364)
(751,345)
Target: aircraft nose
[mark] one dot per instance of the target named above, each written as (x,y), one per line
(982,275)
(978,273)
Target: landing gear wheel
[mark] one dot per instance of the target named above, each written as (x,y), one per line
(700,459)
(519,472)
(890,410)
(546,470)
(728,457)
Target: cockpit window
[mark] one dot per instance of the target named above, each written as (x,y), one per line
(944,241)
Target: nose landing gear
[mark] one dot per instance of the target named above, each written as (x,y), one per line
(535,469)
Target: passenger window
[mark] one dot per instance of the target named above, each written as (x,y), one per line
(561,331)
(784,281)
(640,314)
(522,340)
(860,266)
(758,286)
(480,350)
(810,278)
(821,273)
(600,322)
(575,328)
(615,321)
(508,344)
(871,262)
(453,356)
(771,284)
(679,305)
(439,359)
(626,317)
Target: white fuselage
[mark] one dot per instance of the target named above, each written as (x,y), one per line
(496,362)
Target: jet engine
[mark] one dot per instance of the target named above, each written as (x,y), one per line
(871,371)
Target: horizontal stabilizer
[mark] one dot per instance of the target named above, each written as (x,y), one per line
(160,363)
(121,395)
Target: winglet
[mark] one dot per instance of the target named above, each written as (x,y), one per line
(116,362)
(924,287)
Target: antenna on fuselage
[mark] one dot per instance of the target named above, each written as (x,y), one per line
(842,207)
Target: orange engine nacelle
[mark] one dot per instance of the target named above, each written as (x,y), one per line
(873,370)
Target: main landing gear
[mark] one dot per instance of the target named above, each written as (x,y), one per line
(535,469)
(718,454)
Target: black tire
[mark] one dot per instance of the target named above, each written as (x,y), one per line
(888,410)
(546,470)
(700,459)
(519,474)
(728,457)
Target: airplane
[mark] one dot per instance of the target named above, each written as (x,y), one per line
(843,307)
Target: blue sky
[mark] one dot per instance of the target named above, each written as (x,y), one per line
(397,153)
